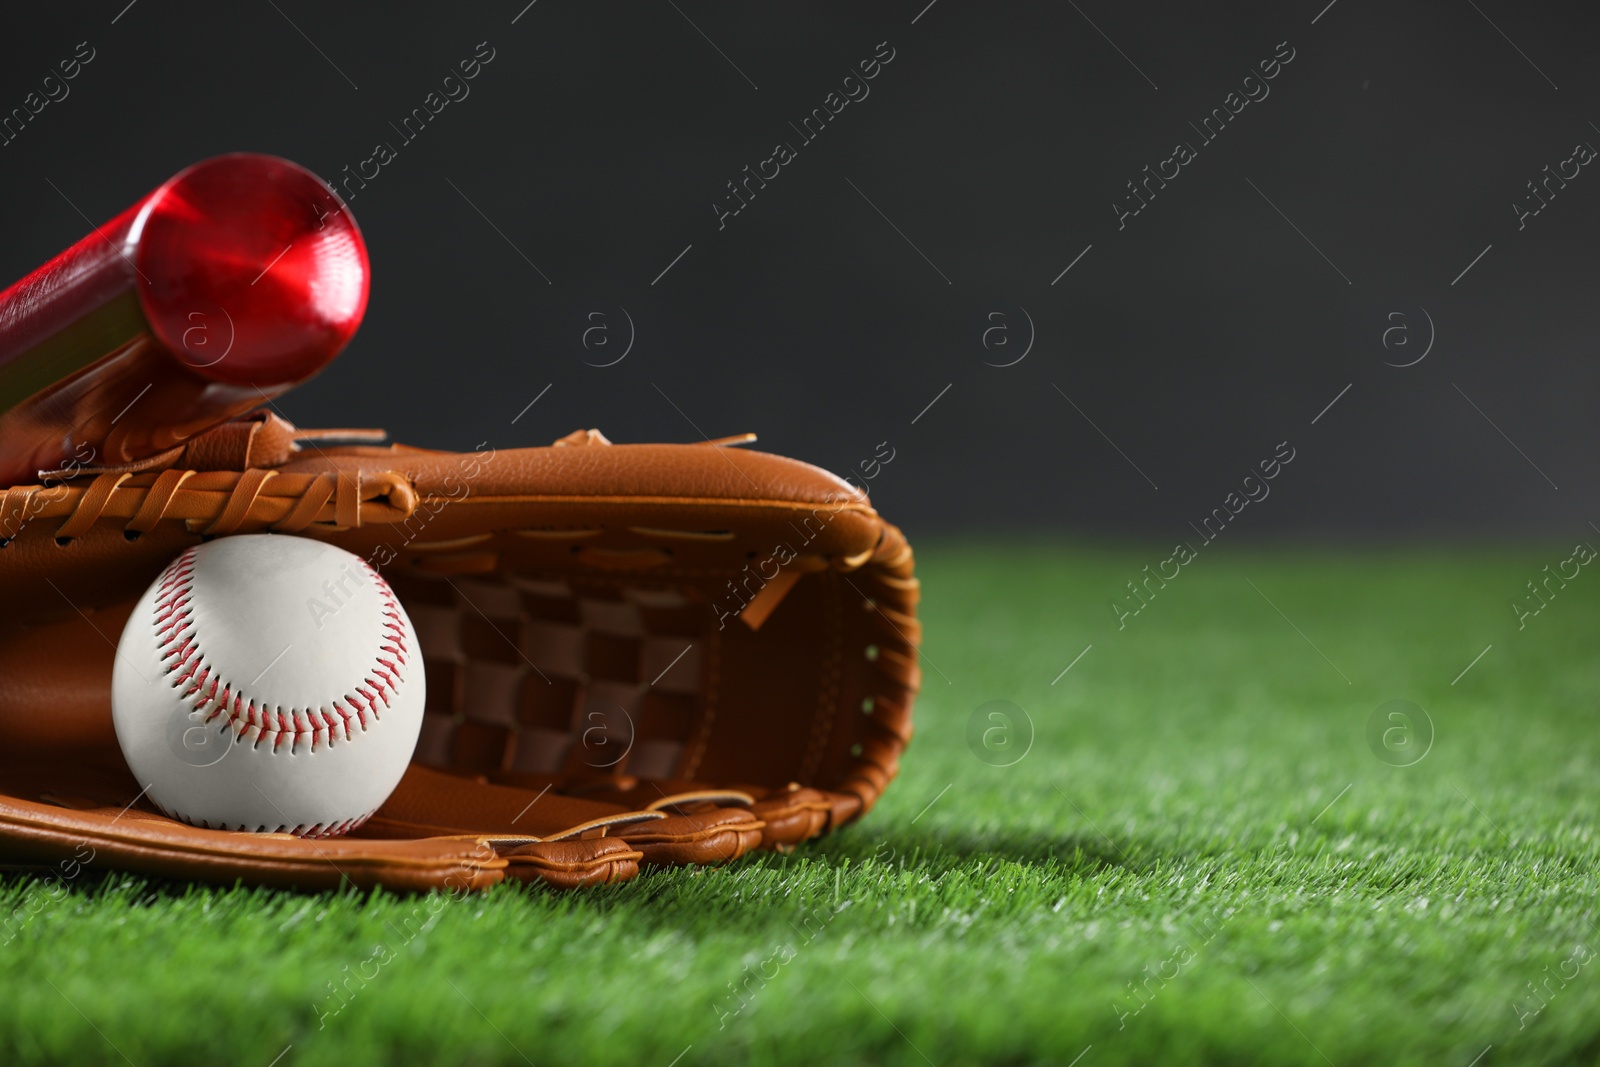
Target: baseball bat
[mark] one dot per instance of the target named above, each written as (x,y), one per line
(233,281)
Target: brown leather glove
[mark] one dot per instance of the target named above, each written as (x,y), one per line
(653,654)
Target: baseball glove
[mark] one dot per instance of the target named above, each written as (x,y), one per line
(635,654)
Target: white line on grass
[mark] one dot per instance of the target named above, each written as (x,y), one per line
(931,803)
(1332,802)
(497,1030)
(1474,662)
(1290,1021)
(1073,664)
(1092,823)
(875,1008)
(101,1032)
(1479,810)
(1301,632)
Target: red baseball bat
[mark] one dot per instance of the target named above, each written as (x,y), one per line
(231,282)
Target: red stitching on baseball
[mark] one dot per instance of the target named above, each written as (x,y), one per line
(178,646)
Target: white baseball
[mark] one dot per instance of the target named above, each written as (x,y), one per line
(269,683)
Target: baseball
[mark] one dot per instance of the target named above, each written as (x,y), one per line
(268,683)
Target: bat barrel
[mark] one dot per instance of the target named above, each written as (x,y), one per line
(233,281)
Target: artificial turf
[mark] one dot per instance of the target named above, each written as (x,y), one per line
(1200,859)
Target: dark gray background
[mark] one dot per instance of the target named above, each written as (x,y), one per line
(1197,338)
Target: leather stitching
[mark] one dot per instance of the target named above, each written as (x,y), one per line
(827,712)
(889,572)
(158,500)
(179,648)
(94,501)
(211,501)
(244,494)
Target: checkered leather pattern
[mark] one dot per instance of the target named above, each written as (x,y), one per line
(548,677)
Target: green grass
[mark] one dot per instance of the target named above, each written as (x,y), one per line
(1199,800)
